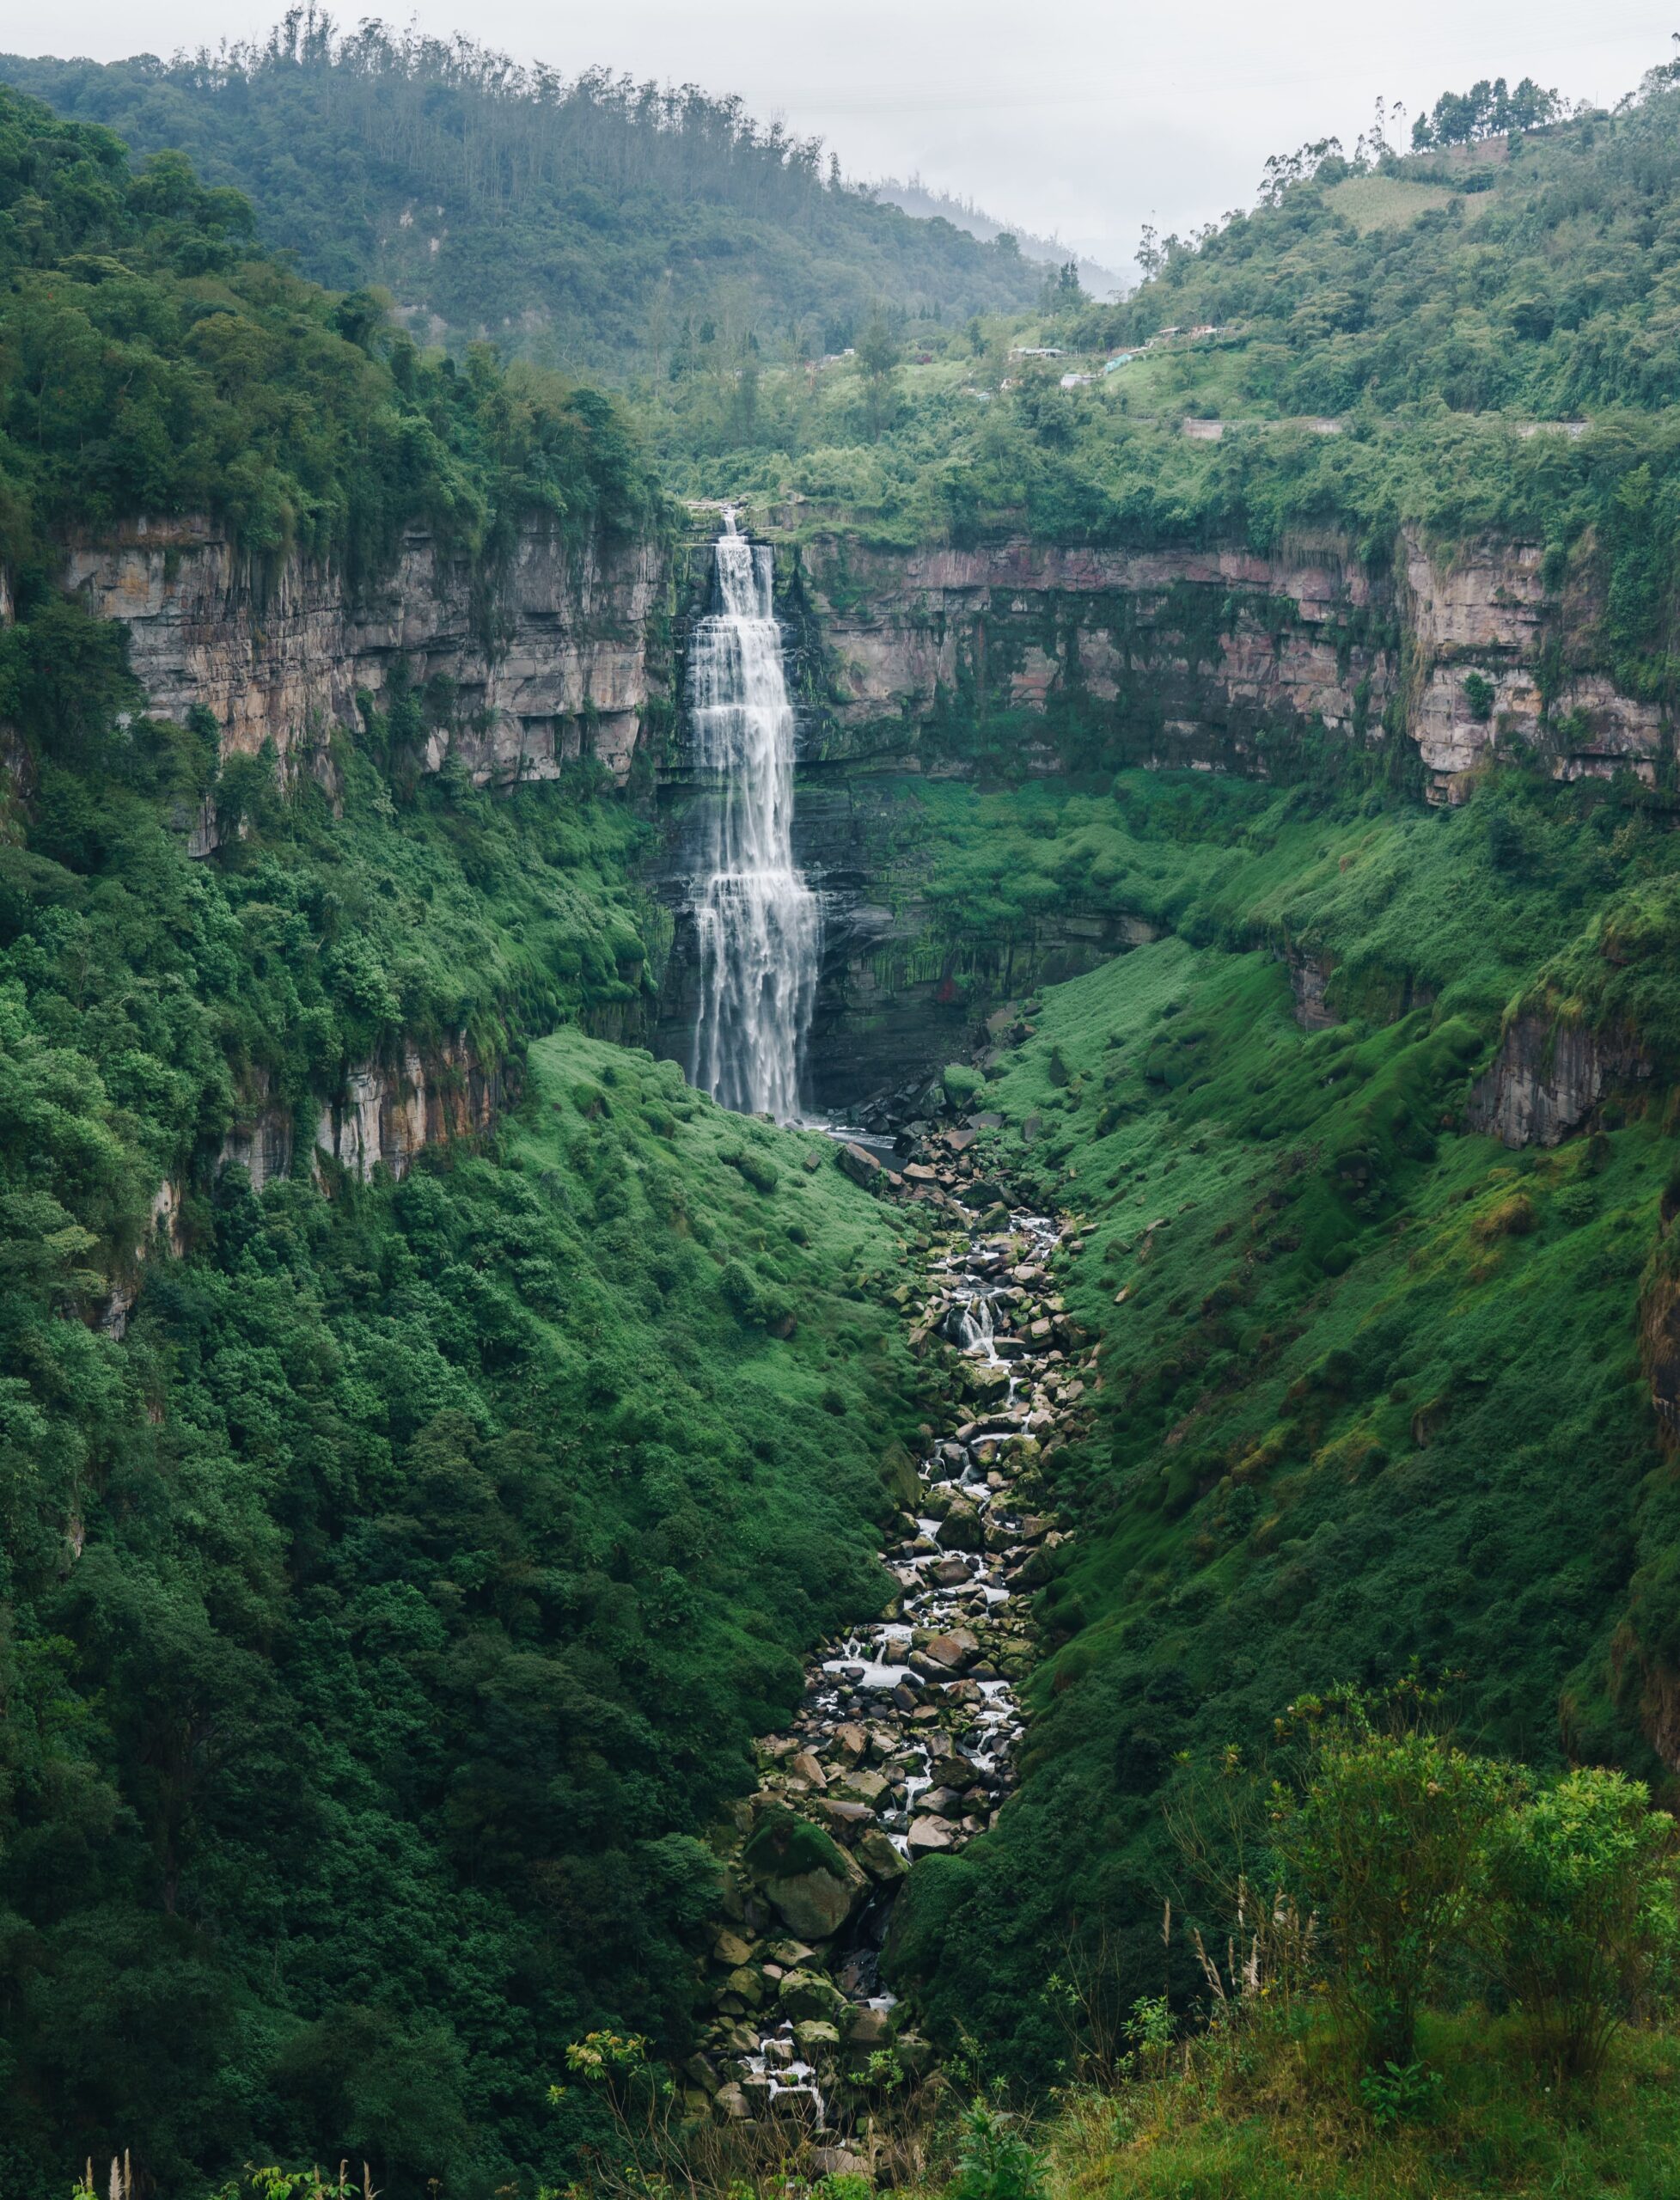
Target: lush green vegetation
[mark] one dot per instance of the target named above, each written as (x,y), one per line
(594,222)
(156,360)
(386,1611)
(388,1608)
(1371,1385)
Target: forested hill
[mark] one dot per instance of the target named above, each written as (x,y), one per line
(1535,270)
(593,222)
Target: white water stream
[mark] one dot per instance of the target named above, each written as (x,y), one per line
(758,923)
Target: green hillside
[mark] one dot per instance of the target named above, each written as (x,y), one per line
(594,222)
(388,1607)
(413,1576)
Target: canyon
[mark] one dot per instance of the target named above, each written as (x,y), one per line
(1011,658)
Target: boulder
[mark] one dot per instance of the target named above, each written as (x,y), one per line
(733,2103)
(806,1877)
(880,1859)
(805,1767)
(914,2053)
(929,1835)
(808,1994)
(953,1651)
(791,1954)
(981,1380)
(816,2038)
(962,1528)
(837,2161)
(858,1164)
(845,1820)
(729,1949)
(871,2028)
(861,1786)
(748,1983)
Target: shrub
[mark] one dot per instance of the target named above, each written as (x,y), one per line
(1386,1841)
(995,2162)
(1584,1921)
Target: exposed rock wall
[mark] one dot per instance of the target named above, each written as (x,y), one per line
(280,656)
(1549,1077)
(1217,659)
(383,1113)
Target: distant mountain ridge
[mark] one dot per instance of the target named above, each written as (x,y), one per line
(924,201)
(582,221)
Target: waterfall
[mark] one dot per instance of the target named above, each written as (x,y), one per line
(758,925)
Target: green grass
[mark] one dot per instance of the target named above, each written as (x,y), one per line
(1243,2123)
(1374,1392)
(1384,202)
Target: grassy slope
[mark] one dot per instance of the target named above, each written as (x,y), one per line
(1235,2125)
(1374,1392)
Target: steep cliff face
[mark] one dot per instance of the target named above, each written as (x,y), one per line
(576,667)
(1216,659)
(1549,1077)
(384,1113)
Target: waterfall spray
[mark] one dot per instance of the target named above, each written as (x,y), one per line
(758,924)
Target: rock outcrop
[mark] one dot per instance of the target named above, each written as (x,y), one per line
(1547,1077)
(383,1114)
(1219,659)
(280,656)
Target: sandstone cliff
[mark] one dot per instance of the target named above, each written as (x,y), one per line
(1214,659)
(280,656)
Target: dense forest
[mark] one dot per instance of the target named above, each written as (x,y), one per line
(375,1650)
(588,223)
(416,1562)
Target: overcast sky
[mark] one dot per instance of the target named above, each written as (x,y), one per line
(1071,117)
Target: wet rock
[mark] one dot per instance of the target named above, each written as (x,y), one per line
(962,1528)
(930,1837)
(953,1651)
(816,2038)
(880,1859)
(948,1769)
(860,1165)
(807,1994)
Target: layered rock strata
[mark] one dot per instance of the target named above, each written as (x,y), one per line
(1547,1077)
(569,666)
(1216,659)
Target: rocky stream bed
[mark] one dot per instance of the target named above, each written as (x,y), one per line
(907,1740)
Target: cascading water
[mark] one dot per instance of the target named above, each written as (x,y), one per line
(758,923)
